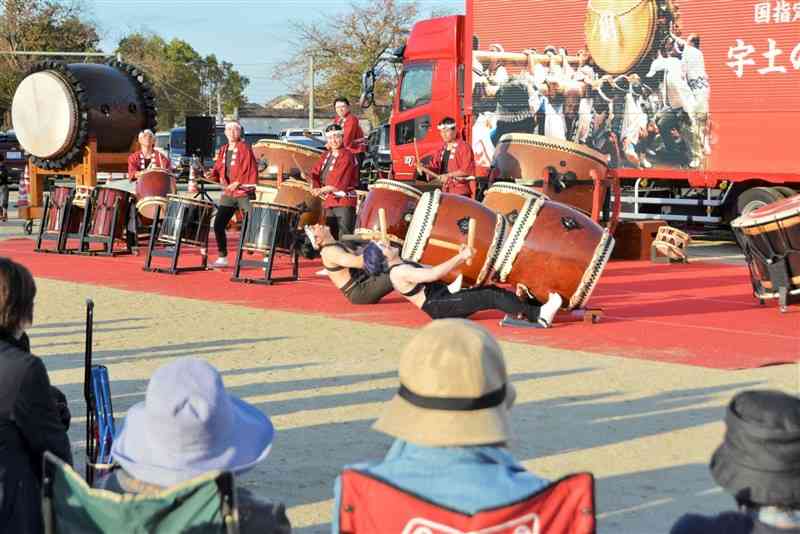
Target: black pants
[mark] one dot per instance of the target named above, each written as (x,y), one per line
(341,220)
(441,304)
(366,289)
(221,220)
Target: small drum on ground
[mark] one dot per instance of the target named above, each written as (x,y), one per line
(152,188)
(59,201)
(187,219)
(82,194)
(398,201)
(564,171)
(508,198)
(440,225)
(262,218)
(553,247)
(297,194)
(770,238)
(105,200)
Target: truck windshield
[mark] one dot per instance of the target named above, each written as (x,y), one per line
(417,85)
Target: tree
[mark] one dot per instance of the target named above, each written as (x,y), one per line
(39,25)
(344,47)
(184,82)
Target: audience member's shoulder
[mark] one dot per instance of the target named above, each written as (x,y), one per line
(725,523)
(261,516)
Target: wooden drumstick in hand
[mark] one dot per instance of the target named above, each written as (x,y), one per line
(471,237)
(383,224)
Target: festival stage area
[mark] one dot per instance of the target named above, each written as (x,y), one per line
(699,314)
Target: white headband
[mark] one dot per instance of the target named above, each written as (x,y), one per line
(443,127)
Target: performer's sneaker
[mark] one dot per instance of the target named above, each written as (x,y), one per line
(222,261)
(323,272)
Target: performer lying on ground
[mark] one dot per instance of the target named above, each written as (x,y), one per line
(421,285)
(344,265)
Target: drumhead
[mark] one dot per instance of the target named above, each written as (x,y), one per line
(394,185)
(421,225)
(291,182)
(559,145)
(774,212)
(512,188)
(44,114)
(186,200)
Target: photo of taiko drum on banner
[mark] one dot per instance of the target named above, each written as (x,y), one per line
(672,84)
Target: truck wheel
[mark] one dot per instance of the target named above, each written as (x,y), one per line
(784,191)
(756,197)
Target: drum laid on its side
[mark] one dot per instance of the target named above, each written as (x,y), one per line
(553,247)
(280,159)
(444,218)
(103,222)
(152,188)
(508,198)
(262,219)
(397,199)
(770,235)
(562,170)
(187,220)
(297,194)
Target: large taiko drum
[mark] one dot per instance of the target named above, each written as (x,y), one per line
(297,194)
(562,170)
(398,201)
(440,225)
(57,107)
(263,219)
(770,238)
(278,159)
(152,188)
(187,220)
(508,198)
(60,202)
(103,223)
(620,34)
(553,247)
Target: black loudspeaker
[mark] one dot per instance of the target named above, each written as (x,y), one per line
(200,136)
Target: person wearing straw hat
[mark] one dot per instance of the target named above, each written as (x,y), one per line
(34,417)
(758,463)
(421,286)
(451,422)
(189,425)
(452,164)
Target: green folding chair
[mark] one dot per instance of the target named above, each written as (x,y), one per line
(205,504)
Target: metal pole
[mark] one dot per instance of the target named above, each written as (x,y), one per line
(311,93)
(219,107)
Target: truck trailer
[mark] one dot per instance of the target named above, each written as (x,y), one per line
(694,104)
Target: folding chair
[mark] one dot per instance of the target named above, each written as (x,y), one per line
(205,504)
(370,505)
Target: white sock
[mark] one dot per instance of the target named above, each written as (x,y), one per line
(549,309)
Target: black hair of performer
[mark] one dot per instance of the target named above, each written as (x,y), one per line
(344,266)
(421,286)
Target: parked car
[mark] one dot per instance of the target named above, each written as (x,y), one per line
(13,155)
(162,142)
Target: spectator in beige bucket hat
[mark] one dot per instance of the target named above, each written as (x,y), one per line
(450,418)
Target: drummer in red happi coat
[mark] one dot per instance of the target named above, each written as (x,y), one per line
(147,157)
(453,163)
(353,135)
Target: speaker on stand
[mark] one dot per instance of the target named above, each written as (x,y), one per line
(199,147)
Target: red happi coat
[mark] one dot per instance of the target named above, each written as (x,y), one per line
(461,159)
(342,175)
(353,135)
(372,506)
(136,162)
(244,169)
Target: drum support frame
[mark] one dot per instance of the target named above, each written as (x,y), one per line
(268,279)
(60,237)
(779,275)
(173,251)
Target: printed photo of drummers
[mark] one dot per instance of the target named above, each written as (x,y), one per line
(654,115)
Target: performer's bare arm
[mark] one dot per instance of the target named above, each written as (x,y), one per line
(337,256)
(414,275)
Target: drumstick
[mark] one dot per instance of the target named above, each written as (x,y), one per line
(382,222)
(444,244)
(471,237)
(302,172)
(416,151)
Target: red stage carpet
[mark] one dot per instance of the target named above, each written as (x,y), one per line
(698,314)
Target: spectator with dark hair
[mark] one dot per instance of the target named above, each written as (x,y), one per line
(188,425)
(758,463)
(421,286)
(451,422)
(353,139)
(33,415)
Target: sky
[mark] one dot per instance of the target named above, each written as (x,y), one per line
(254,35)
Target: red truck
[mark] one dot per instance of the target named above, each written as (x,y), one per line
(694,103)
